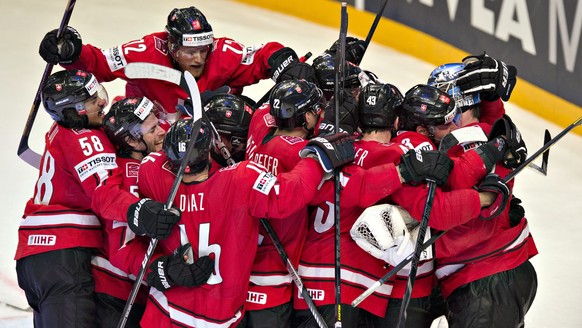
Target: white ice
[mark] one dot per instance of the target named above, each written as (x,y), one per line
(552,202)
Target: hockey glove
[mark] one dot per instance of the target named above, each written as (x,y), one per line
(207,94)
(490,77)
(516,211)
(331,152)
(64,51)
(285,65)
(493,184)
(355,49)
(148,217)
(179,269)
(516,150)
(349,119)
(417,167)
(492,152)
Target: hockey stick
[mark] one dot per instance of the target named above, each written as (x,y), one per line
(417,251)
(340,62)
(158,72)
(545,148)
(543,169)
(189,84)
(374,25)
(24,152)
(294,274)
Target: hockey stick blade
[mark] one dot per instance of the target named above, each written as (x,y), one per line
(543,169)
(143,70)
(24,152)
(435,237)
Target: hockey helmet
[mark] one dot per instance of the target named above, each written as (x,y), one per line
(324,66)
(426,105)
(379,105)
(124,119)
(189,27)
(70,89)
(291,99)
(444,78)
(176,143)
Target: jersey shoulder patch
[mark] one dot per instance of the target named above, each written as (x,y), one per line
(161,45)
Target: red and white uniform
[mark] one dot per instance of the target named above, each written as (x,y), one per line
(373,153)
(59,214)
(475,248)
(271,284)
(229,63)
(113,279)
(220,217)
(360,189)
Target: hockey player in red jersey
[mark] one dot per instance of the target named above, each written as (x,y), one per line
(220,220)
(231,117)
(133,128)
(295,107)
(187,44)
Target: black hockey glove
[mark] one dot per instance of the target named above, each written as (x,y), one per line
(417,167)
(355,49)
(492,152)
(349,118)
(179,269)
(285,65)
(516,150)
(492,183)
(490,77)
(64,51)
(516,211)
(148,217)
(331,151)
(207,94)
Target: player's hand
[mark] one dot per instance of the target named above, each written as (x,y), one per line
(516,152)
(179,269)
(150,218)
(355,49)
(491,77)
(494,185)
(285,65)
(64,51)
(331,151)
(417,167)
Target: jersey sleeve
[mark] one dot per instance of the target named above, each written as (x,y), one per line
(110,201)
(282,195)
(449,209)
(491,111)
(364,188)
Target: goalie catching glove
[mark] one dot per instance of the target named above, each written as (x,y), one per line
(491,77)
(179,269)
(150,218)
(384,231)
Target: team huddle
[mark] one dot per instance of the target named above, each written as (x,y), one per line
(255,200)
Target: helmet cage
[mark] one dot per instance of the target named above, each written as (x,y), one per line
(445,77)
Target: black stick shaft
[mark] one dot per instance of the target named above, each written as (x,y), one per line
(24,152)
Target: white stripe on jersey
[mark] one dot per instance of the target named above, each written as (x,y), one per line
(188,319)
(271,280)
(346,275)
(76,219)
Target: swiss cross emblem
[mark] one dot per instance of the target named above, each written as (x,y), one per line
(298,89)
(445,99)
(59,87)
(423,107)
(228,113)
(196,25)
